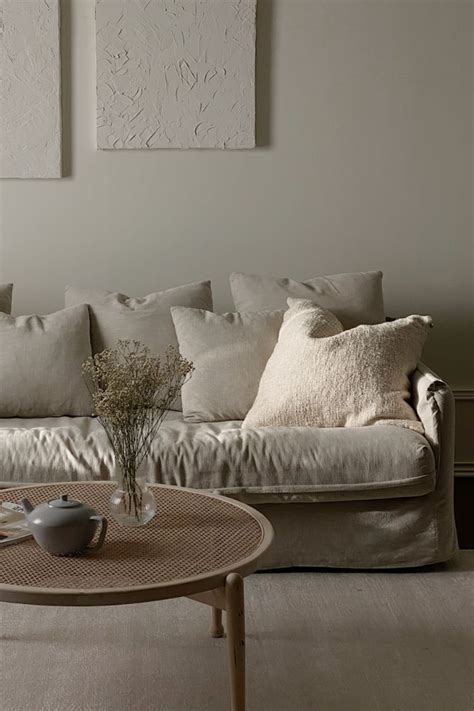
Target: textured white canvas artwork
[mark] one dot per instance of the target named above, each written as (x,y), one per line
(175,73)
(30,89)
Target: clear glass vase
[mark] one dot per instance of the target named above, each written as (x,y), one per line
(132,503)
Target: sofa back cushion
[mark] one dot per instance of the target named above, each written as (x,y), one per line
(326,377)
(6,298)
(117,317)
(229,353)
(354,298)
(41,361)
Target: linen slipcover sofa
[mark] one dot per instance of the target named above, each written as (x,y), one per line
(366,497)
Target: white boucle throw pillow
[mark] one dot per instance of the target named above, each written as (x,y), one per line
(321,376)
(229,353)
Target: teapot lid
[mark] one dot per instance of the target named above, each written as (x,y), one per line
(64,502)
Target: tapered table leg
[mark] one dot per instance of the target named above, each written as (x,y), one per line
(234,595)
(217,628)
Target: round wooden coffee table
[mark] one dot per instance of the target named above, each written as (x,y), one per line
(198,545)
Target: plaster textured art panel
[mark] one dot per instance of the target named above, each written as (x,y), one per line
(175,73)
(30,89)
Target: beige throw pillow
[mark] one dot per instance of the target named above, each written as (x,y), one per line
(117,317)
(229,353)
(354,298)
(6,298)
(41,361)
(321,376)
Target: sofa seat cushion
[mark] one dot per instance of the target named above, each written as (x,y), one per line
(268,464)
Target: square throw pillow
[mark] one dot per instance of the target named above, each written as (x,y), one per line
(354,298)
(6,298)
(117,317)
(41,361)
(321,376)
(229,353)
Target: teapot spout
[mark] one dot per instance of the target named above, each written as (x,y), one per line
(27,507)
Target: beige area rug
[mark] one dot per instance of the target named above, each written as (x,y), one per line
(328,641)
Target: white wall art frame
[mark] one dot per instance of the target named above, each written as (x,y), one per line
(175,73)
(30,89)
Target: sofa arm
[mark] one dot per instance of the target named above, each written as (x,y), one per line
(434,405)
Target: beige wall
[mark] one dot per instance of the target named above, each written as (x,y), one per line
(364,121)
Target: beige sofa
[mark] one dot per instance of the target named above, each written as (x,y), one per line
(368,497)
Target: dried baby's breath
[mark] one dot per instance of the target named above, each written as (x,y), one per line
(131,391)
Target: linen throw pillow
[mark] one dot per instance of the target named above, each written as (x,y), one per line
(40,364)
(354,298)
(229,353)
(321,376)
(117,317)
(6,298)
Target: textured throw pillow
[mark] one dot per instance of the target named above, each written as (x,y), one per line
(117,317)
(41,361)
(340,379)
(229,353)
(6,298)
(353,298)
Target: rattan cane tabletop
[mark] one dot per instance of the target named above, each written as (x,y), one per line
(195,540)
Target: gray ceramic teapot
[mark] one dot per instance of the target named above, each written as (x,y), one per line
(64,526)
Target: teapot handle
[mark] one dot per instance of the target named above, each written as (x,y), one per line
(103,531)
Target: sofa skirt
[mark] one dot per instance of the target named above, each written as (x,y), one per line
(396,533)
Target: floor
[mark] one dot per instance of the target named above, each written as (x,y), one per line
(328,641)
